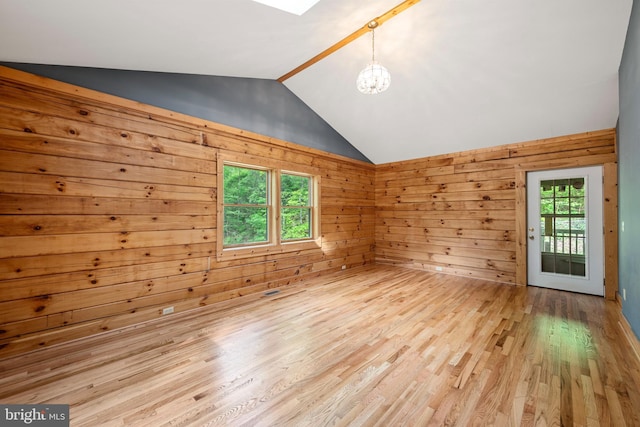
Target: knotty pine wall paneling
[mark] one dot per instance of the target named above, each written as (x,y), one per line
(463,213)
(108,213)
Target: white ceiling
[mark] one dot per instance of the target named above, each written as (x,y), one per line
(465,73)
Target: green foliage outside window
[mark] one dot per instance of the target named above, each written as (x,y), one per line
(295,201)
(562,211)
(246,206)
(563,198)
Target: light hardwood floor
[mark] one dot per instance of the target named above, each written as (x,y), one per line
(369,346)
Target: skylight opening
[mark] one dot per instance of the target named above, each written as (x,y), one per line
(297,7)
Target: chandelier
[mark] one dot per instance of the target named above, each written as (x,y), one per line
(374,78)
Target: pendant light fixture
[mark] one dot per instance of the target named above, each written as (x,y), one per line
(374,78)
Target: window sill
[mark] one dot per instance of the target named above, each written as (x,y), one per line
(263,250)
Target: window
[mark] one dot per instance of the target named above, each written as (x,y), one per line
(265,209)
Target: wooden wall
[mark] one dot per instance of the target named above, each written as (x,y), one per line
(459,213)
(108,213)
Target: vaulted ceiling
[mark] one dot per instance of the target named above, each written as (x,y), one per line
(465,73)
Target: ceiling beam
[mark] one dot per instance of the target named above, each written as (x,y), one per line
(351,37)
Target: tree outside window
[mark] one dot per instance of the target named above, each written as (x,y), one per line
(245,205)
(253,197)
(295,206)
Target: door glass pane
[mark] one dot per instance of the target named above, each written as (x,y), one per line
(563,226)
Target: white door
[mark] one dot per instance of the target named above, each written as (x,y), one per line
(564,230)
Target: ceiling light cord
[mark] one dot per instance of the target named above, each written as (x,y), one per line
(373,45)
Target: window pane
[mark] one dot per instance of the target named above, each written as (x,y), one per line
(577,187)
(296,223)
(546,207)
(562,225)
(562,206)
(546,189)
(577,207)
(295,190)
(244,186)
(243,225)
(578,224)
(562,187)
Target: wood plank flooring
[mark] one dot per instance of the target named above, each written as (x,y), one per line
(369,346)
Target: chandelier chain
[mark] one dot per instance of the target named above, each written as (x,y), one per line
(373,45)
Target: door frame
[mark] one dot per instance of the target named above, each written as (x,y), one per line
(609,209)
(591,281)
